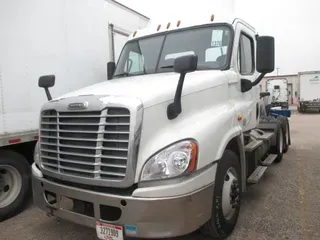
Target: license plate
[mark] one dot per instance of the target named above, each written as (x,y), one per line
(109,231)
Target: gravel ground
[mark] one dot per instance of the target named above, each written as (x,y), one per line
(284,205)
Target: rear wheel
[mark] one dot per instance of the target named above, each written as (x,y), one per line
(286,132)
(14,183)
(287,137)
(278,148)
(226,199)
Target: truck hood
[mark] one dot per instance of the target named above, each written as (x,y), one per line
(152,89)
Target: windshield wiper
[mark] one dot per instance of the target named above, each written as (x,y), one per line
(168,66)
(125,74)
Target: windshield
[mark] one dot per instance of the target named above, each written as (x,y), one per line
(156,54)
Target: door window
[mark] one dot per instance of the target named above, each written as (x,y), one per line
(246,55)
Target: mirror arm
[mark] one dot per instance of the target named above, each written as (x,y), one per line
(174,109)
(48,94)
(258,79)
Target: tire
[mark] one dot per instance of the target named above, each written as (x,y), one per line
(286,132)
(228,174)
(278,149)
(15,175)
(287,136)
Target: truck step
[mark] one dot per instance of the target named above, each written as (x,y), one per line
(252,145)
(257,174)
(266,136)
(269,160)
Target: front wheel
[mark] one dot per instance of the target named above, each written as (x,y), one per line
(226,199)
(14,183)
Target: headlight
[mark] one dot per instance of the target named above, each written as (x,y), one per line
(36,154)
(174,160)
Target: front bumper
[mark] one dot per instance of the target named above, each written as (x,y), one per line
(151,217)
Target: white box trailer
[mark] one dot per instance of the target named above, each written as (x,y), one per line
(309,91)
(71,39)
(278,89)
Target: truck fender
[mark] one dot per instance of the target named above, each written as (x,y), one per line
(232,133)
(235,134)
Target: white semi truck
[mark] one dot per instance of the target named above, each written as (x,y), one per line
(278,89)
(309,91)
(74,40)
(168,144)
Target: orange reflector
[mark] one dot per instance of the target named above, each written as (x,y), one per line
(212,18)
(194,152)
(168,25)
(239,117)
(135,33)
(178,23)
(159,26)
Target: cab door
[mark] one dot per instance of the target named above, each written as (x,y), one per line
(245,67)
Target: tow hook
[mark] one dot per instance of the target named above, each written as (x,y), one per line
(235,194)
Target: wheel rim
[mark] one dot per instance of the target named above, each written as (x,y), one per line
(10,185)
(280,141)
(230,193)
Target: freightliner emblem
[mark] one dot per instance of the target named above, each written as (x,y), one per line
(78,106)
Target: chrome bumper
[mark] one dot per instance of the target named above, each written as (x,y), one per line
(151,217)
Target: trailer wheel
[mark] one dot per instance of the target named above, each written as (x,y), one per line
(14,183)
(226,199)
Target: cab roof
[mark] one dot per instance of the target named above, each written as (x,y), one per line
(154,28)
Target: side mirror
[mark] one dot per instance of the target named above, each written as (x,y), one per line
(265,54)
(46,82)
(182,65)
(185,64)
(265,57)
(111,67)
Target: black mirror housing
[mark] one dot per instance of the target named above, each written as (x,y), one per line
(111,67)
(185,64)
(265,54)
(246,85)
(47,81)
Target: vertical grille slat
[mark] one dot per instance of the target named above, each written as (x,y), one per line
(86,144)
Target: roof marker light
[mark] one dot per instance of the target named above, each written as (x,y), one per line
(168,25)
(178,23)
(212,17)
(135,33)
(159,26)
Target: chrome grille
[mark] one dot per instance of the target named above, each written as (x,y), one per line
(91,144)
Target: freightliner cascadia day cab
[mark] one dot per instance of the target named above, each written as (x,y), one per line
(73,39)
(278,89)
(169,142)
(309,91)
